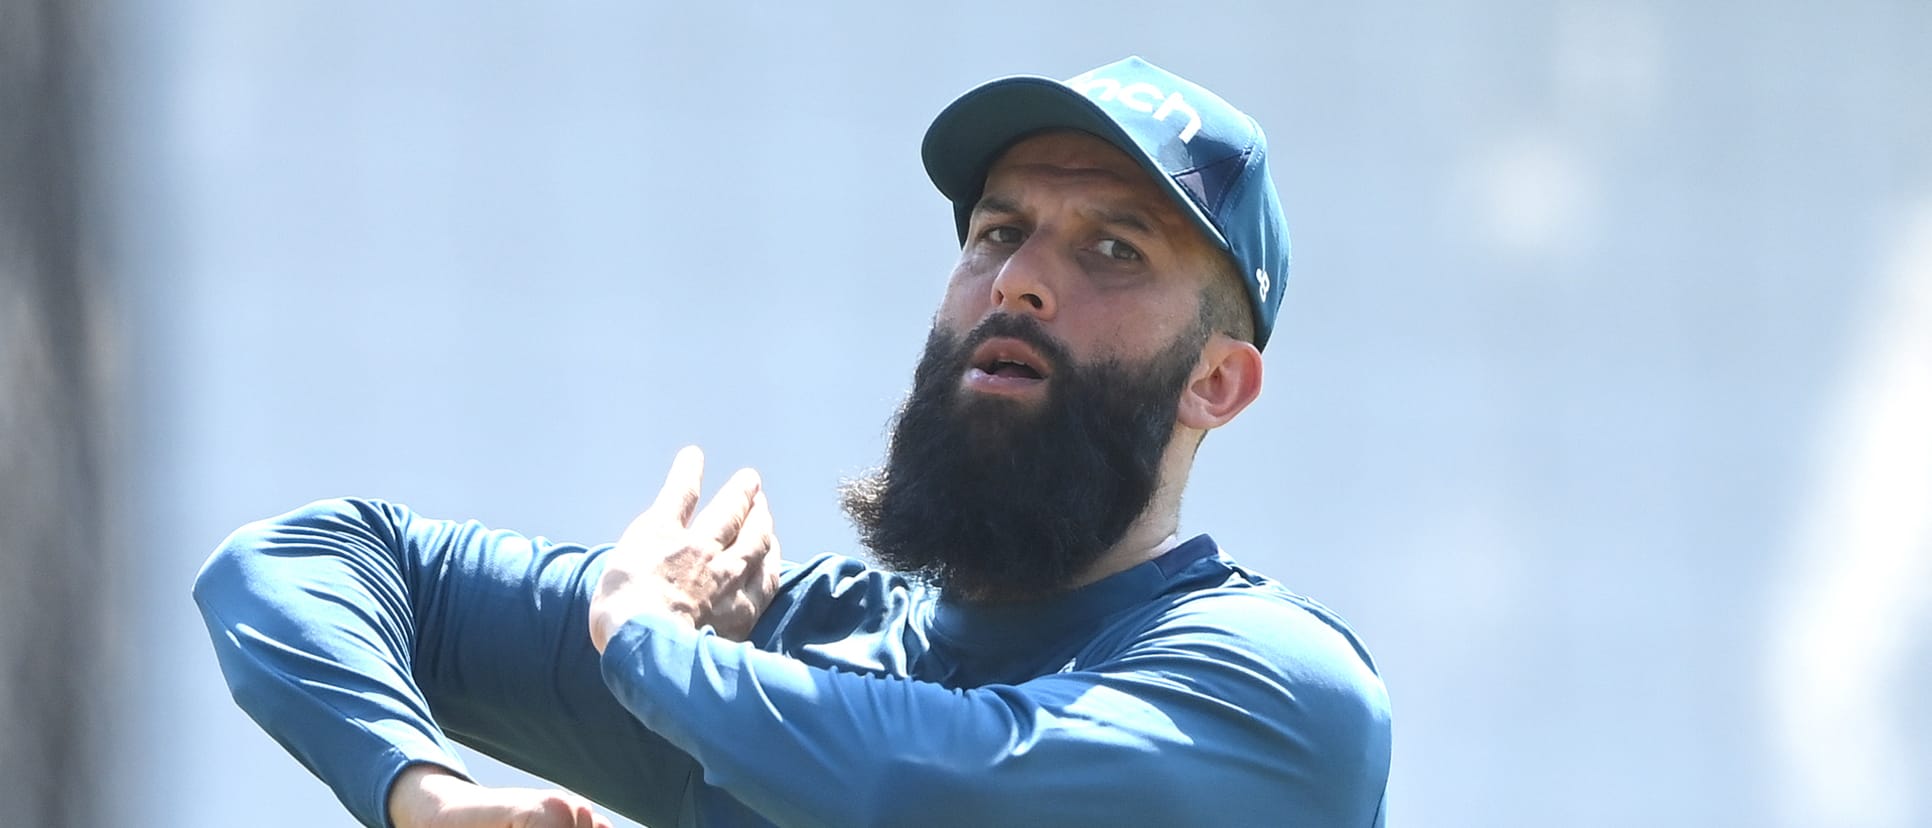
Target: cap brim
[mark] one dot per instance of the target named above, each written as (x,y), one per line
(970,134)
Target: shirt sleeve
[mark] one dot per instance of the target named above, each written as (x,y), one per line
(1243,711)
(358,634)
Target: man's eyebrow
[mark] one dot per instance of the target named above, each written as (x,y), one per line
(996,204)
(1127,217)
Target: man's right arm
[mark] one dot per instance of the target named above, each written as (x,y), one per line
(342,626)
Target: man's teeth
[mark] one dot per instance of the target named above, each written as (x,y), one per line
(1012,368)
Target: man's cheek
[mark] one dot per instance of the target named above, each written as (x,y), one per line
(957,315)
(969,292)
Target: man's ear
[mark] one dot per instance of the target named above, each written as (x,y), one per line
(1224,382)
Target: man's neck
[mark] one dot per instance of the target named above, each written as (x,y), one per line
(1124,557)
(1157,530)
(1152,535)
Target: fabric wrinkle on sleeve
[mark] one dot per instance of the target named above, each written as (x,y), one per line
(284,670)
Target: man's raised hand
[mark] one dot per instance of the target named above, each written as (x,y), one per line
(718,566)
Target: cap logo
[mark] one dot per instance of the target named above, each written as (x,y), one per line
(1139,96)
(1261,280)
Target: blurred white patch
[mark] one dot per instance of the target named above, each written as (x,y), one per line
(1608,66)
(1536,193)
(1535,197)
(1853,603)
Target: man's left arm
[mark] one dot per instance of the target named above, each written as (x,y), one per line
(1231,709)
(1192,724)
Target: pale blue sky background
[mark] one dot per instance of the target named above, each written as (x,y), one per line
(1598,404)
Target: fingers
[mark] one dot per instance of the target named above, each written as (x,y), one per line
(723,519)
(758,525)
(757,546)
(772,564)
(756,528)
(587,816)
(584,817)
(679,497)
(560,809)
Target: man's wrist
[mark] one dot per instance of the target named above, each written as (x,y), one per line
(606,620)
(604,625)
(419,792)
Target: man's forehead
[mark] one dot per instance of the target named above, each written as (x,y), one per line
(1069,157)
(1070,150)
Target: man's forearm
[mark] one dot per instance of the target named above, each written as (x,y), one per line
(1125,744)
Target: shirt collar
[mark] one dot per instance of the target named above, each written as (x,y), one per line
(974,623)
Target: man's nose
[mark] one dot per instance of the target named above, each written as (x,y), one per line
(1025,281)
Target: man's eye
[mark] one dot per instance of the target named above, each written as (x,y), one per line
(1002,234)
(1117,249)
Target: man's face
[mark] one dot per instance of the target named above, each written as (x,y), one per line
(1073,233)
(1047,393)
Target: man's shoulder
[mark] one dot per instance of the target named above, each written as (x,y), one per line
(1287,657)
(1221,605)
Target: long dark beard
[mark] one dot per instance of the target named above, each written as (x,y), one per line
(994,500)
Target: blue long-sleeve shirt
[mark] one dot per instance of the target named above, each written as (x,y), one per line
(1183,691)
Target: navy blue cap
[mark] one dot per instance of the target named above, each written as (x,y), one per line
(1209,157)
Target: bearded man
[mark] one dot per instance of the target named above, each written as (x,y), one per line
(1036,646)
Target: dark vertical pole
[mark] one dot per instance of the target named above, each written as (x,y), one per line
(53,533)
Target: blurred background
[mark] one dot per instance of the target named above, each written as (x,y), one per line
(1601,403)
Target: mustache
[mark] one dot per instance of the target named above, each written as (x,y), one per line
(1014,326)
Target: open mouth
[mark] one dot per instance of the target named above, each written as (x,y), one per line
(1010,368)
(1002,363)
